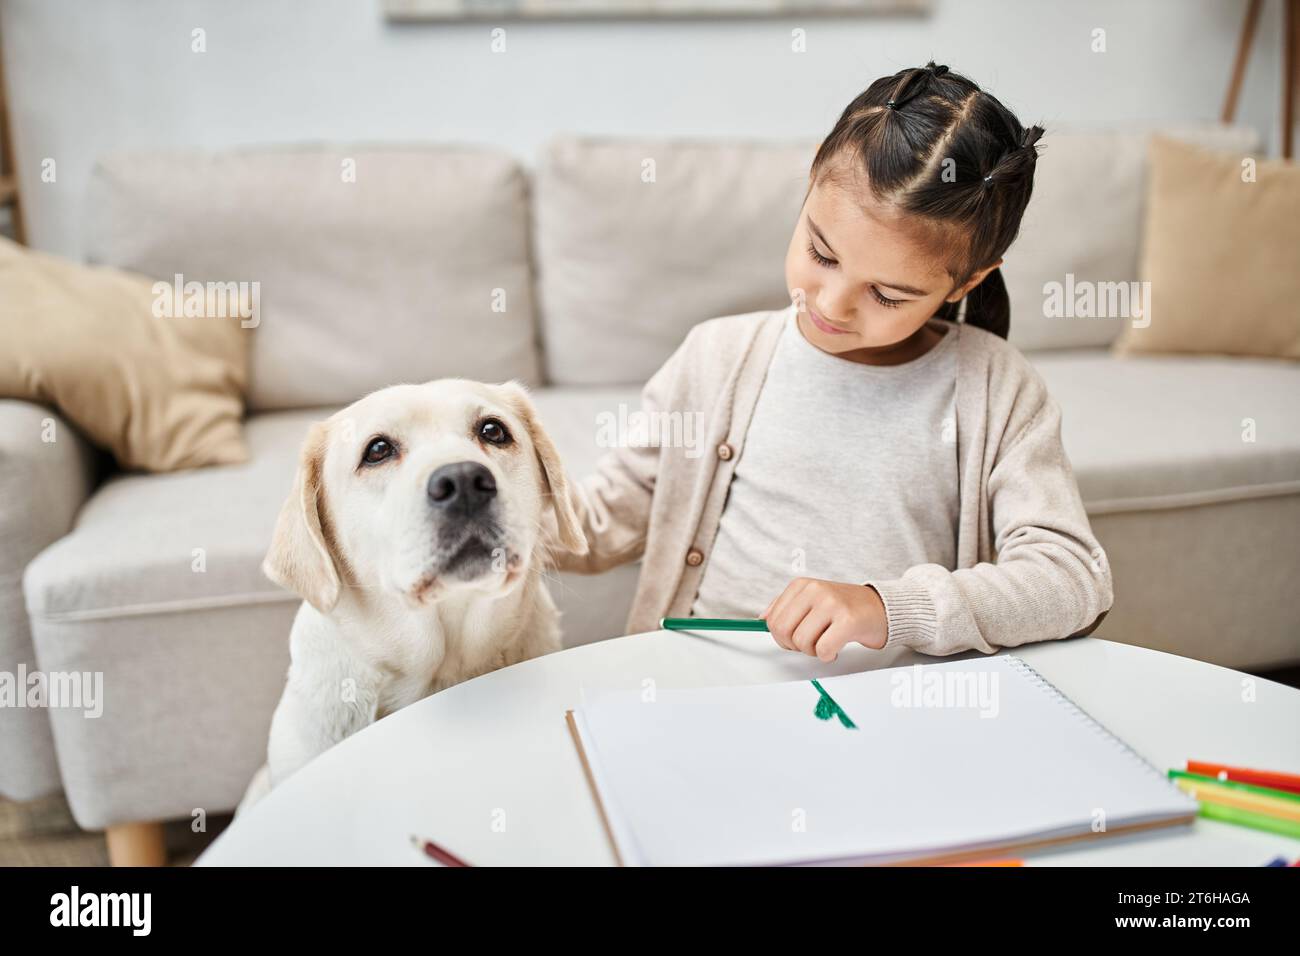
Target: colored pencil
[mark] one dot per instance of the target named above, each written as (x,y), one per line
(1242,800)
(445,857)
(711,624)
(1006,862)
(1263,778)
(1245,818)
(1234,785)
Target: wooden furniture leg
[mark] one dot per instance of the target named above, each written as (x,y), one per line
(1290,71)
(1239,65)
(8,177)
(136,844)
(1290,66)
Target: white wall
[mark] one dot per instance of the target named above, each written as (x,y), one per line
(92,76)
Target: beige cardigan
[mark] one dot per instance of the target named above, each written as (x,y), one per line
(1028,566)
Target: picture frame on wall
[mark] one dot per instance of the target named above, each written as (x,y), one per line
(414,10)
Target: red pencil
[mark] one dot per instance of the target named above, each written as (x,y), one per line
(1260,778)
(445,857)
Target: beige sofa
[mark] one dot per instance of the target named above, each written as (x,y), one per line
(602,269)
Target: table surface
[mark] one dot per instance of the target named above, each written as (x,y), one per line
(488,769)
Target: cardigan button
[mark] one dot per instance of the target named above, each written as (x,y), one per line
(724,451)
(695,557)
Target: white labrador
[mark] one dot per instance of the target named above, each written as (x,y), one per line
(417,531)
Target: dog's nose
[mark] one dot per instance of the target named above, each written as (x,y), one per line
(465,486)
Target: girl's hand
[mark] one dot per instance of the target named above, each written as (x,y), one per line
(819,617)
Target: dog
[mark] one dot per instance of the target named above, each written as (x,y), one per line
(421,521)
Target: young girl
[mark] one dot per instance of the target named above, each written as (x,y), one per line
(877,470)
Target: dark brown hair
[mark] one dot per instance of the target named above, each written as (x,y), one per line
(932,146)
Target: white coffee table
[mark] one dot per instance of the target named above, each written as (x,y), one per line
(488,769)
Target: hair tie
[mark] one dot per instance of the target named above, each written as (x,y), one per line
(890,105)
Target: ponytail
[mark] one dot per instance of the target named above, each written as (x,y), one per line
(988,306)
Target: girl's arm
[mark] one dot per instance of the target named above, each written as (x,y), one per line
(1050,579)
(613,503)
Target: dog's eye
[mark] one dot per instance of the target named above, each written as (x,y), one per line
(493,431)
(378,450)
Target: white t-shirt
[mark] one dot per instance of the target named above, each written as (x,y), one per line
(848,472)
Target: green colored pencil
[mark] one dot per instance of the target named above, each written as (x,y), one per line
(711,624)
(1248,818)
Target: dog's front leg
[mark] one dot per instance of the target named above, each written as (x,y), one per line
(314,715)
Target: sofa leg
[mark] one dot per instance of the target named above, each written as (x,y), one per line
(136,844)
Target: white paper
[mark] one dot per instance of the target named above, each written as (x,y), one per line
(749,775)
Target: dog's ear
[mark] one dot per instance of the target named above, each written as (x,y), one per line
(299,558)
(561,493)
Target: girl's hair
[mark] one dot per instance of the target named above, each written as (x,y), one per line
(933,146)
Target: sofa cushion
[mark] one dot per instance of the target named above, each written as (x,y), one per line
(187,540)
(1213,225)
(161,389)
(1085,220)
(638,240)
(1153,432)
(629,261)
(151,544)
(372,266)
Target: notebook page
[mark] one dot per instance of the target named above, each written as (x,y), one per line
(956,755)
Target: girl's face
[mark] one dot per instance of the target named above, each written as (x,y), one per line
(864,285)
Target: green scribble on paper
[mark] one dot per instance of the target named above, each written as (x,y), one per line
(827,708)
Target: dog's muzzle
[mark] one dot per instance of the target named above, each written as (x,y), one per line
(462,496)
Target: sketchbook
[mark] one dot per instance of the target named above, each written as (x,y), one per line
(920,764)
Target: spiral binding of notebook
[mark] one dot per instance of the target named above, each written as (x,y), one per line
(1052,690)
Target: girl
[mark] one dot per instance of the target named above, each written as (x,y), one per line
(877,470)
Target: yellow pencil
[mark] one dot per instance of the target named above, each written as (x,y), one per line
(1241,799)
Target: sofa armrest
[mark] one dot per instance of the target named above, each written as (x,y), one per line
(47,471)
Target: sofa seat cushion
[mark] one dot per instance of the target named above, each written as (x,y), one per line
(192,539)
(195,540)
(1152,432)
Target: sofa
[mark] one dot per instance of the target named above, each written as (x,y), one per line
(577,277)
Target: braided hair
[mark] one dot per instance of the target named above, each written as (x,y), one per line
(933,146)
